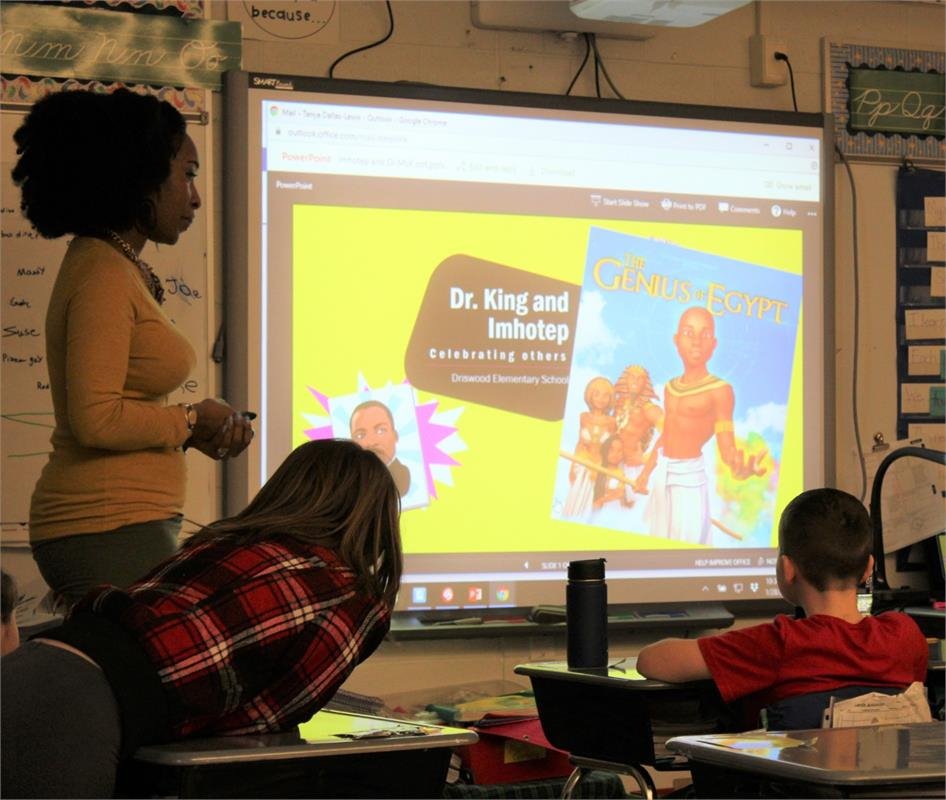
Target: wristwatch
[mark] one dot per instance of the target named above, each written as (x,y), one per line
(190,416)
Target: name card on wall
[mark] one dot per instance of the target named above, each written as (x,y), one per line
(921,398)
(926,360)
(925,323)
(933,436)
(936,246)
(934,211)
(937,282)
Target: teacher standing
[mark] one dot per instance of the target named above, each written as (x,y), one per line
(116,171)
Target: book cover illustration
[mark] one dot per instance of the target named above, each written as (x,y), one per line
(679,394)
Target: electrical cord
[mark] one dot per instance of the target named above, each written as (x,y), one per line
(599,62)
(791,74)
(856,345)
(584,61)
(382,40)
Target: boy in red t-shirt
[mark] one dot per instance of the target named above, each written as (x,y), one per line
(824,552)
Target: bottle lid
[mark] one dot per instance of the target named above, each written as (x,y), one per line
(591,569)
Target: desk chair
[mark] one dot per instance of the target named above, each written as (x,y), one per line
(622,734)
(607,720)
(807,710)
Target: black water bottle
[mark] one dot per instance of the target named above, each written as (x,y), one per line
(586,615)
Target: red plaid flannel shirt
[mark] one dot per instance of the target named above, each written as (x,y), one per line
(247,638)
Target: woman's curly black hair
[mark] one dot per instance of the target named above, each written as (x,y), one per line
(90,162)
(8,597)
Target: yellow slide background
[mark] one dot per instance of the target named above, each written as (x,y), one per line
(358,279)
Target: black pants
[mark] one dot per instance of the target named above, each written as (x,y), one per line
(72,565)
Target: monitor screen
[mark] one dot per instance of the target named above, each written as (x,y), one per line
(573,328)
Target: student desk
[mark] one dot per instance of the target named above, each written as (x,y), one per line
(386,758)
(607,719)
(877,761)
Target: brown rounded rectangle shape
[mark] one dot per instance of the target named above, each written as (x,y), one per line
(495,335)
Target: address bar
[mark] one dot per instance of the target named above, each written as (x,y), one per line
(748,175)
(347,140)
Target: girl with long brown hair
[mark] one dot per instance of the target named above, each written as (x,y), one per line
(250,628)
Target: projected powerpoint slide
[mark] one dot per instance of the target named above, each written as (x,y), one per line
(461,345)
(678,393)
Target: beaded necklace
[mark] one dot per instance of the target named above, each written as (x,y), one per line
(152,280)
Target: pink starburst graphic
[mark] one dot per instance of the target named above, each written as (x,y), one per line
(323,431)
(431,435)
(437,435)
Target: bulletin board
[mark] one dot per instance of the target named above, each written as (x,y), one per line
(28,267)
(921,317)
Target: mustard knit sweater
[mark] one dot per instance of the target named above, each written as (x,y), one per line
(113,359)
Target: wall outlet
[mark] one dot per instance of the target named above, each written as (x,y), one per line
(764,69)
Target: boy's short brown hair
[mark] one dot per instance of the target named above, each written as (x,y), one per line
(828,534)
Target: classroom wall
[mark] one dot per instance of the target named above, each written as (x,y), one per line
(436,42)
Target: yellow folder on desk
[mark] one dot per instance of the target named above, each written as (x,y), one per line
(519,705)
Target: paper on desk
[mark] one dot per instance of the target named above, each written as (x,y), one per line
(880,709)
(760,744)
(387,733)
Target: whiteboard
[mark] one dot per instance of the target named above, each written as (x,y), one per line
(28,267)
